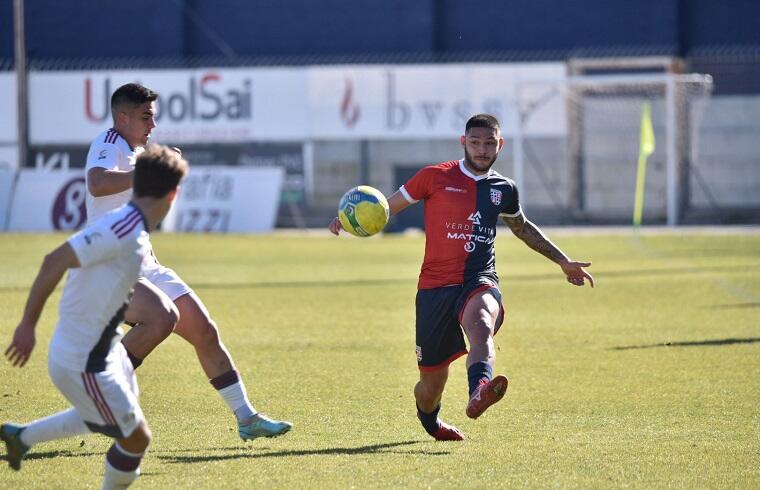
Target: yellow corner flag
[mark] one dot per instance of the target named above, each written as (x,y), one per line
(646,148)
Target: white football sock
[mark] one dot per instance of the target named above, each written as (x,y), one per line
(235,397)
(115,479)
(63,424)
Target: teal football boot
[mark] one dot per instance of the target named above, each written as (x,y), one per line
(262,426)
(16,449)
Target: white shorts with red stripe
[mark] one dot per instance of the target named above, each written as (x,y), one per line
(107,401)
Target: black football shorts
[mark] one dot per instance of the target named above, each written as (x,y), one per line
(439,335)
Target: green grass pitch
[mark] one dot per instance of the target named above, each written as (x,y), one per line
(650,380)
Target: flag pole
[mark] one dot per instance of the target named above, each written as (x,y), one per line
(646,148)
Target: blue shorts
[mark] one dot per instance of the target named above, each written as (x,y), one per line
(439,335)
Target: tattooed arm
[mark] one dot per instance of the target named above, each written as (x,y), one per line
(529,233)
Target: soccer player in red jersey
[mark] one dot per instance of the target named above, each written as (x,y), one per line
(458,287)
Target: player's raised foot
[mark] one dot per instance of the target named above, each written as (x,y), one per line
(447,432)
(262,426)
(16,449)
(485,395)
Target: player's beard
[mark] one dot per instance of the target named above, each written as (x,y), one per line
(480,167)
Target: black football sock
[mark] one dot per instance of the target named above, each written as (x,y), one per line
(477,372)
(429,420)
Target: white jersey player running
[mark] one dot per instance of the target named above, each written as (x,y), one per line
(162,298)
(112,152)
(109,151)
(86,361)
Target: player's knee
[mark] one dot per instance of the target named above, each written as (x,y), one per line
(139,440)
(168,319)
(479,331)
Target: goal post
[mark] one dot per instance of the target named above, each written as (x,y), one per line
(600,143)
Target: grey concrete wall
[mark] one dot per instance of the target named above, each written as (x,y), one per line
(336,169)
(728,153)
(725,159)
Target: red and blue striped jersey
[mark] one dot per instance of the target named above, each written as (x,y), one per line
(461,212)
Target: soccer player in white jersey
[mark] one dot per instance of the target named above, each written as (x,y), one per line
(86,361)
(162,298)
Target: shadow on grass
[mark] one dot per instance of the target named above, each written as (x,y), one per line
(694,343)
(32,455)
(66,453)
(734,306)
(246,454)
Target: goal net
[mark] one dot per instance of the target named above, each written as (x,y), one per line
(589,172)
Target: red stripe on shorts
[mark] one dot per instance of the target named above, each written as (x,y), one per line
(444,363)
(93,390)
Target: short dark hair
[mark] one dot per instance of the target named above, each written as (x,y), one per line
(158,171)
(482,121)
(132,94)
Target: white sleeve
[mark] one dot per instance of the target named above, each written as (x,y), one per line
(105,155)
(96,243)
(406,195)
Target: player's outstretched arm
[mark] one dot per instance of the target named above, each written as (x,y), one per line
(529,233)
(103,182)
(397,203)
(53,267)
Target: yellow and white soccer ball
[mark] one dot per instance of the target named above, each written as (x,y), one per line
(363,211)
